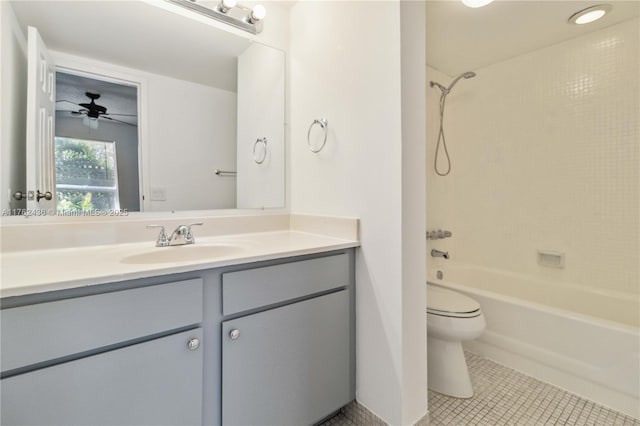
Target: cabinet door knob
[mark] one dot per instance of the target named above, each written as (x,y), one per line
(193,344)
(234,334)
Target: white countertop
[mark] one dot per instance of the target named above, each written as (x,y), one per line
(37,271)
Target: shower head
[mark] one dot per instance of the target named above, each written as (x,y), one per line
(446,90)
(468,74)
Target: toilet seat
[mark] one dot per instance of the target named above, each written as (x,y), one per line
(447,303)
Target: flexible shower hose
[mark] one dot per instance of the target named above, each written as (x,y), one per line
(442,140)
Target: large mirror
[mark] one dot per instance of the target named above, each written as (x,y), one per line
(130,106)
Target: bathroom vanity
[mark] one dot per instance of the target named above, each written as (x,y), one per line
(250,343)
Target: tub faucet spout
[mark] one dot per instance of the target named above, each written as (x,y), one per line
(438,253)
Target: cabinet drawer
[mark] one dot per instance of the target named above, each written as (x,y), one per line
(250,289)
(46,331)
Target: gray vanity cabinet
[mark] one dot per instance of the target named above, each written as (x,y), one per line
(153,383)
(163,351)
(290,363)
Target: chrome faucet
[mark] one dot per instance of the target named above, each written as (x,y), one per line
(180,236)
(438,235)
(438,253)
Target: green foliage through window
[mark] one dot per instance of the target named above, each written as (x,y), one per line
(86,175)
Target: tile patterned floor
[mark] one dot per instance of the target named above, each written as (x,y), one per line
(505,397)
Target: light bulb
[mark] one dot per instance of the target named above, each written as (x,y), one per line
(590,14)
(476,3)
(590,17)
(258,13)
(225,5)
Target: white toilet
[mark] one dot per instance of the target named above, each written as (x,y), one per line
(452,318)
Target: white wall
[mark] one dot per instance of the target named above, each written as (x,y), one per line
(414,290)
(261,97)
(545,150)
(13,108)
(125,138)
(352,77)
(191,132)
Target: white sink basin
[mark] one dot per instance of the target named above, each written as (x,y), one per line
(184,253)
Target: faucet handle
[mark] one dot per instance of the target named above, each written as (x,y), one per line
(162,240)
(438,234)
(189,236)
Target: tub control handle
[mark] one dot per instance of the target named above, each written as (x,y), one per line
(438,234)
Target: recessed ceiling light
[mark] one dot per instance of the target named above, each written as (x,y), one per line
(590,14)
(476,3)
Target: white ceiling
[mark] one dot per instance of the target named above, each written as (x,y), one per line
(139,35)
(462,39)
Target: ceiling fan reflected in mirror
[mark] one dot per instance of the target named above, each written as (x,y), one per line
(92,112)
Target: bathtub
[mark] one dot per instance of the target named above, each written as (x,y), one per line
(574,349)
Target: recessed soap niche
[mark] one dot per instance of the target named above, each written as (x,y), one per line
(551,258)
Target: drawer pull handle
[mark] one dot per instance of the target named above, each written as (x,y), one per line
(193,344)
(234,334)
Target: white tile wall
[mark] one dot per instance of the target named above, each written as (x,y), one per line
(546,155)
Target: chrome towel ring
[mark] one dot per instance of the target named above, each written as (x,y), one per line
(324,124)
(262,141)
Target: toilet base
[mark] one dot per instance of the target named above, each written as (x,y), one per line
(447,368)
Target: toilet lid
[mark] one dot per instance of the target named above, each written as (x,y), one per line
(441,301)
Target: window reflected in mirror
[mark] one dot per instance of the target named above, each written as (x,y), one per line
(86,175)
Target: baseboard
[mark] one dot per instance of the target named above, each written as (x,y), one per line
(360,415)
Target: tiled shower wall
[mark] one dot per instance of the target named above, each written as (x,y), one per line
(546,155)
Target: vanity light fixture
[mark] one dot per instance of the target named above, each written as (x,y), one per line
(229,12)
(476,3)
(257,14)
(225,5)
(590,14)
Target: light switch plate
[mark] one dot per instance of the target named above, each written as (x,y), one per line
(158,194)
